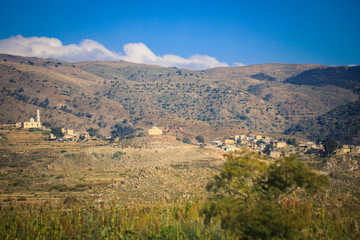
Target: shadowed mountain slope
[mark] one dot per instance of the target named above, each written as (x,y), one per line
(345,77)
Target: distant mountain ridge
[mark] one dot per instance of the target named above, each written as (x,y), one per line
(217,102)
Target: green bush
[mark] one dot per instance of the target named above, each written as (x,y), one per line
(118,154)
(200,139)
(251,196)
(71,155)
(34,130)
(311,151)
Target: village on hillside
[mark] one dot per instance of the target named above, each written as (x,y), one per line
(274,148)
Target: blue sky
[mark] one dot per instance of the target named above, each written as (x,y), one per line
(248,32)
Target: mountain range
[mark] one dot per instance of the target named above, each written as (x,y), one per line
(304,100)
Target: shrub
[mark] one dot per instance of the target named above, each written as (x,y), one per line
(71,155)
(249,194)
(311,151)
(118,154)
(92,131)
(200,139)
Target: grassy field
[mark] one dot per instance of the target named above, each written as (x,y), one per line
(145,169)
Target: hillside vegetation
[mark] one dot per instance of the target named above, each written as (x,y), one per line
(216,102)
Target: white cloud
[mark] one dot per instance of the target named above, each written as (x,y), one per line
(239,64)
(89,50)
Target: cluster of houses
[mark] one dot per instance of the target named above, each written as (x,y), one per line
(251,141)
(259,142)
(280,148)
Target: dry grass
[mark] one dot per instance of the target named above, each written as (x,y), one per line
(143,168)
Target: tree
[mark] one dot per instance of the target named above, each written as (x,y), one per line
(248,196)
(330,145)
(311,151)
(122,130)
(200,139)
(268,149)
(46,124)
(92,131)
(186,140)
(292,141)
(258,143)
(57,131)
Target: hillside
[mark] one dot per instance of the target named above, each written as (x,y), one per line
(342,124)
(345,77)
(142,168)
(214,103)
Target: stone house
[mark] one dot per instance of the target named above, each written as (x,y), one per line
(278,144)
(355,150)
(155,131)
(229,142)
(275,154)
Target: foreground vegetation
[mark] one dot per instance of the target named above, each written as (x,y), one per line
(252,198)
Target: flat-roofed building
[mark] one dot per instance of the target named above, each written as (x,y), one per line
(155,131)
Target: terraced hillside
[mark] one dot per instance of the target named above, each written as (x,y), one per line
(33,168)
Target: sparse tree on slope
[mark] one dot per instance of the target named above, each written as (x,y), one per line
(200,139)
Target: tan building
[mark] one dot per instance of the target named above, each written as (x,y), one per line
(216,143)
(302,146)
(258,137)
(345,149)
(355,150)
(32,123)
(311,145)
(155,131)
(69,132)
(279,144)
(229,142)
(275,154)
